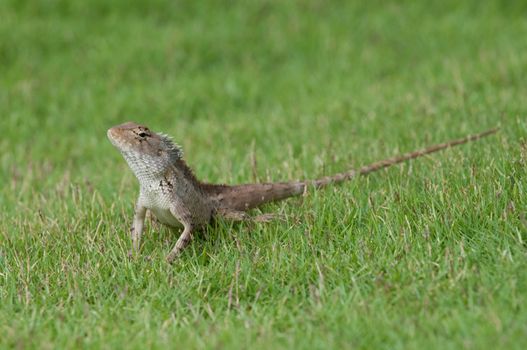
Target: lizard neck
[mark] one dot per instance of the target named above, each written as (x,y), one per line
(145,168)
(151,171)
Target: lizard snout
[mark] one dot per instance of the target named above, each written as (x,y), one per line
(113,136)
(110,133)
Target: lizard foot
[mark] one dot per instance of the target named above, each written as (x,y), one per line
(172,257)
(266,217)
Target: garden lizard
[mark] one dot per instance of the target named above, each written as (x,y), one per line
(169,189)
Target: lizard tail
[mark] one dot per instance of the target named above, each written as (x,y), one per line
(247,196)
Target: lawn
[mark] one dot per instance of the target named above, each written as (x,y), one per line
(430,254)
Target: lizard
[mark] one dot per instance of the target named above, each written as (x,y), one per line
(170,190)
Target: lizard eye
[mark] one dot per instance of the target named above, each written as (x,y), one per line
(142,134)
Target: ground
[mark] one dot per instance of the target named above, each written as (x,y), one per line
(430,254)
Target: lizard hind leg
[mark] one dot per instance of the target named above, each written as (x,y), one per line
(238,215)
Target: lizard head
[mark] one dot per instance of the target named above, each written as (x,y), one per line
(142,148)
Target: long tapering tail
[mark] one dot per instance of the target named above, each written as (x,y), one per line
(244,197)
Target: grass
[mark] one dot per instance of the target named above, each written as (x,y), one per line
(430,254)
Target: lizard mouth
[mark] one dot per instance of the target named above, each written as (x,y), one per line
(112,136)
(118,140)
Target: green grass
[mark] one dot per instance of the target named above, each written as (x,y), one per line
(430,254)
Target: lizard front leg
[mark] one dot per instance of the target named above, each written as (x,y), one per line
(138,226)
(185,218)
(181,243)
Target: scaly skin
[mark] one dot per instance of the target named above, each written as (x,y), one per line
(169,189)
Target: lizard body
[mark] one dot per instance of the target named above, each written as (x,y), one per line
(169,189)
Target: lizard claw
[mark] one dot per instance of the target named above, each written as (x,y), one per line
(267,217)
(171,257)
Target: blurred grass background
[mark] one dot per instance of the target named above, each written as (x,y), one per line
(431,253)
